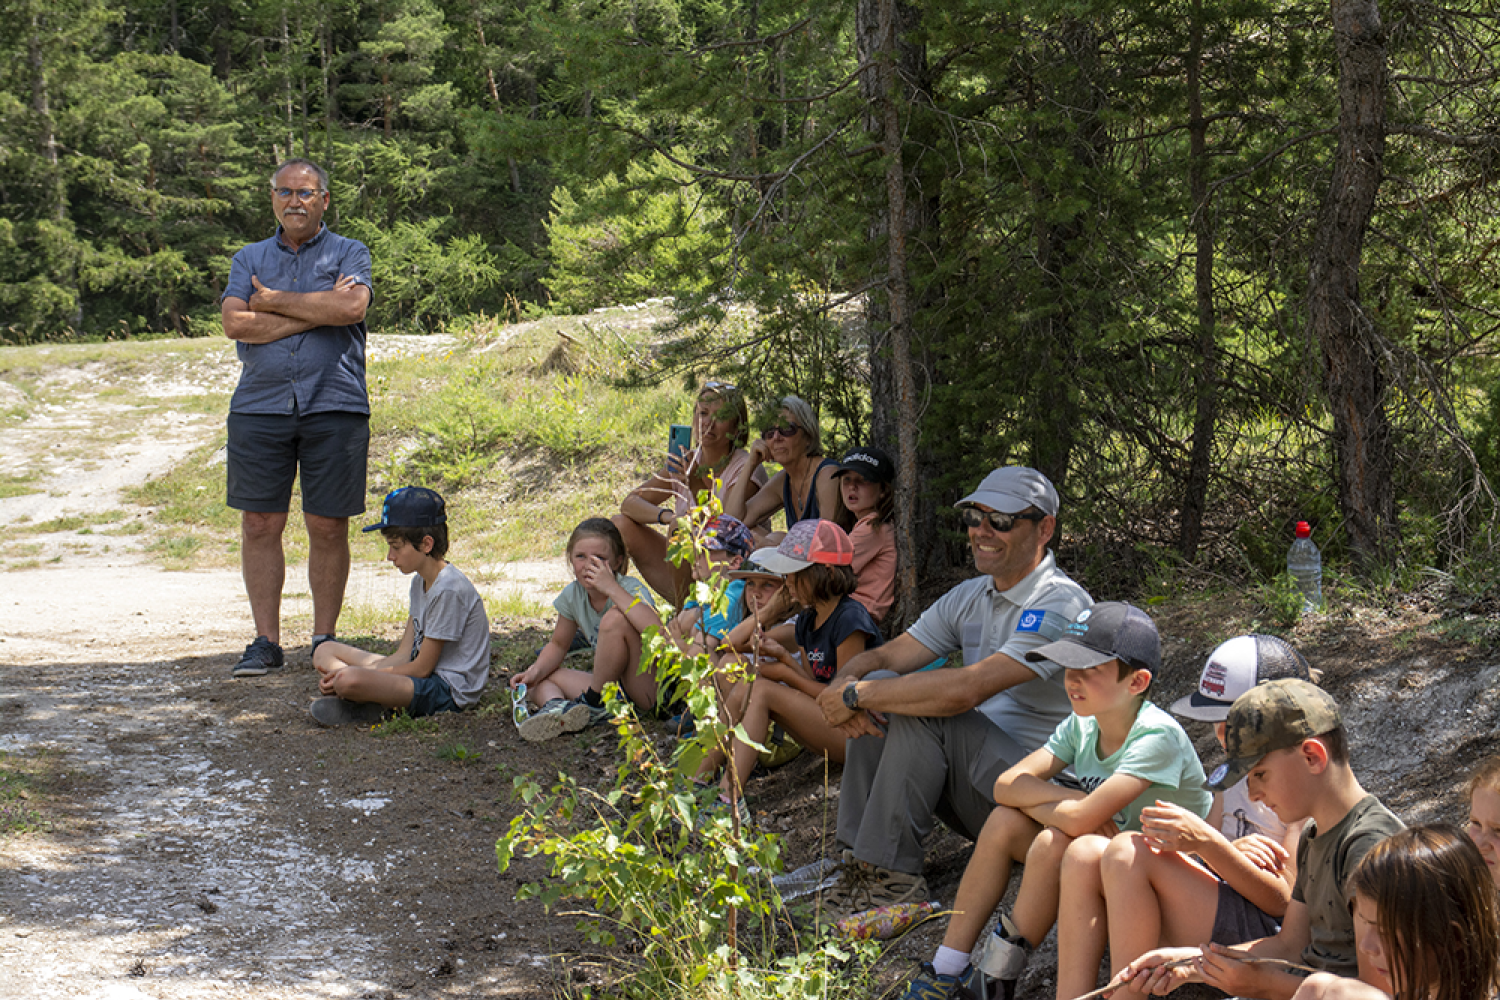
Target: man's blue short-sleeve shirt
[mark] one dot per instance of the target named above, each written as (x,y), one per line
(321,370)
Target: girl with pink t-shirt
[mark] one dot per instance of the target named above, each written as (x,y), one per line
(865,479)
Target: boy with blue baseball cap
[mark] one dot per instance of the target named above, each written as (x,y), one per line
(443,660)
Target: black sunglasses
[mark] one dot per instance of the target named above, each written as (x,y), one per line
(973,517)
(787,430)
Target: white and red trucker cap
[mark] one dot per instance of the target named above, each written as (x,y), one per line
(1237,666)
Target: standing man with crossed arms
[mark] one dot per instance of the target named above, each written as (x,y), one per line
(295,306)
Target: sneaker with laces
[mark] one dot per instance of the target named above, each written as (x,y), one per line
(976,985)
(331,710)
(929,984)
(683,725)
(862,886)
(261,656)
(590,715)
(718,807)
(546,723)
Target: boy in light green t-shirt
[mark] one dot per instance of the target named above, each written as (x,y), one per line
(1125,753)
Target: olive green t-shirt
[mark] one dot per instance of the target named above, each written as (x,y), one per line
(1324,861)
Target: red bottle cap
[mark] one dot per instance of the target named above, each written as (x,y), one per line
(1304,530)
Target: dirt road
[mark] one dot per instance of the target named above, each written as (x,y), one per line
(207,840)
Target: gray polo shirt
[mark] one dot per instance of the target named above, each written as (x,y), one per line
(979,620)
(321,370)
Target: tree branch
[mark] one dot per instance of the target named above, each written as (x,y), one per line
(1446,138)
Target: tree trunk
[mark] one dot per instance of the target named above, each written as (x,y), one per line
(41,105)
(1206,374)
(1053,416)
(881,28)
(1353,378)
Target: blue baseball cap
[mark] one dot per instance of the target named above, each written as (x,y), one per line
(411,507)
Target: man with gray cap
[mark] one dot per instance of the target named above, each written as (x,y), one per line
(951,732)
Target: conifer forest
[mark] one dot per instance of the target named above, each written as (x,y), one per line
(1214,266)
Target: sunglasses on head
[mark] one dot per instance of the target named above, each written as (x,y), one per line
(786,430)
(973,517)
(714,385)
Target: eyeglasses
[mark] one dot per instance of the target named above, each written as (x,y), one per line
(714,385)
(303,194)
(787,430)
(519,710)
(973,517)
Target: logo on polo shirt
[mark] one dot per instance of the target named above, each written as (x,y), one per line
(1031,620)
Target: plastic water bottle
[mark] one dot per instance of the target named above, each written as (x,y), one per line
(1305,564)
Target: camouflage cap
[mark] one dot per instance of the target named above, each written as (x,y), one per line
(1272,716)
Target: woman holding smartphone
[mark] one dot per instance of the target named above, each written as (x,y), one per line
(721,425)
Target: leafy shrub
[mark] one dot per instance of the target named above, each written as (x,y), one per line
(667,876)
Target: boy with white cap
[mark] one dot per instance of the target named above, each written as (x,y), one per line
(1183,880)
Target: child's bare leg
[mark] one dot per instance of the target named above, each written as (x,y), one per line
(1004,840)
(332,655)
(757,722)
(1036,904)
(380,687)
(639,678)
(564,683)
(1168,899)
(797,713)
(616,655)
(1082,926)
(732,698)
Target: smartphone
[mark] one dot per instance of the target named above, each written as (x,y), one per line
(679,439)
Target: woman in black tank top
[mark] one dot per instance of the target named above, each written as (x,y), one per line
(805,488)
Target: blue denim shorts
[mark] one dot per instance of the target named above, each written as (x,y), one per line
(429,696)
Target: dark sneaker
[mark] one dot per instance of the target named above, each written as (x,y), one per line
(261,657)
(580,714)
(975,985)
(683,726)
(318,640)
(577,716)
(862,886)
(930,984)
(331,710)
(719,808)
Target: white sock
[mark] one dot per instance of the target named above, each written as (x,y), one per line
(950,961)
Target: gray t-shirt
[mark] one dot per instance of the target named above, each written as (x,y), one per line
(1324,861)
(452,610)
(979,620)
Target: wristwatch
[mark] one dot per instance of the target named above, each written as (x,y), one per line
(851,695)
